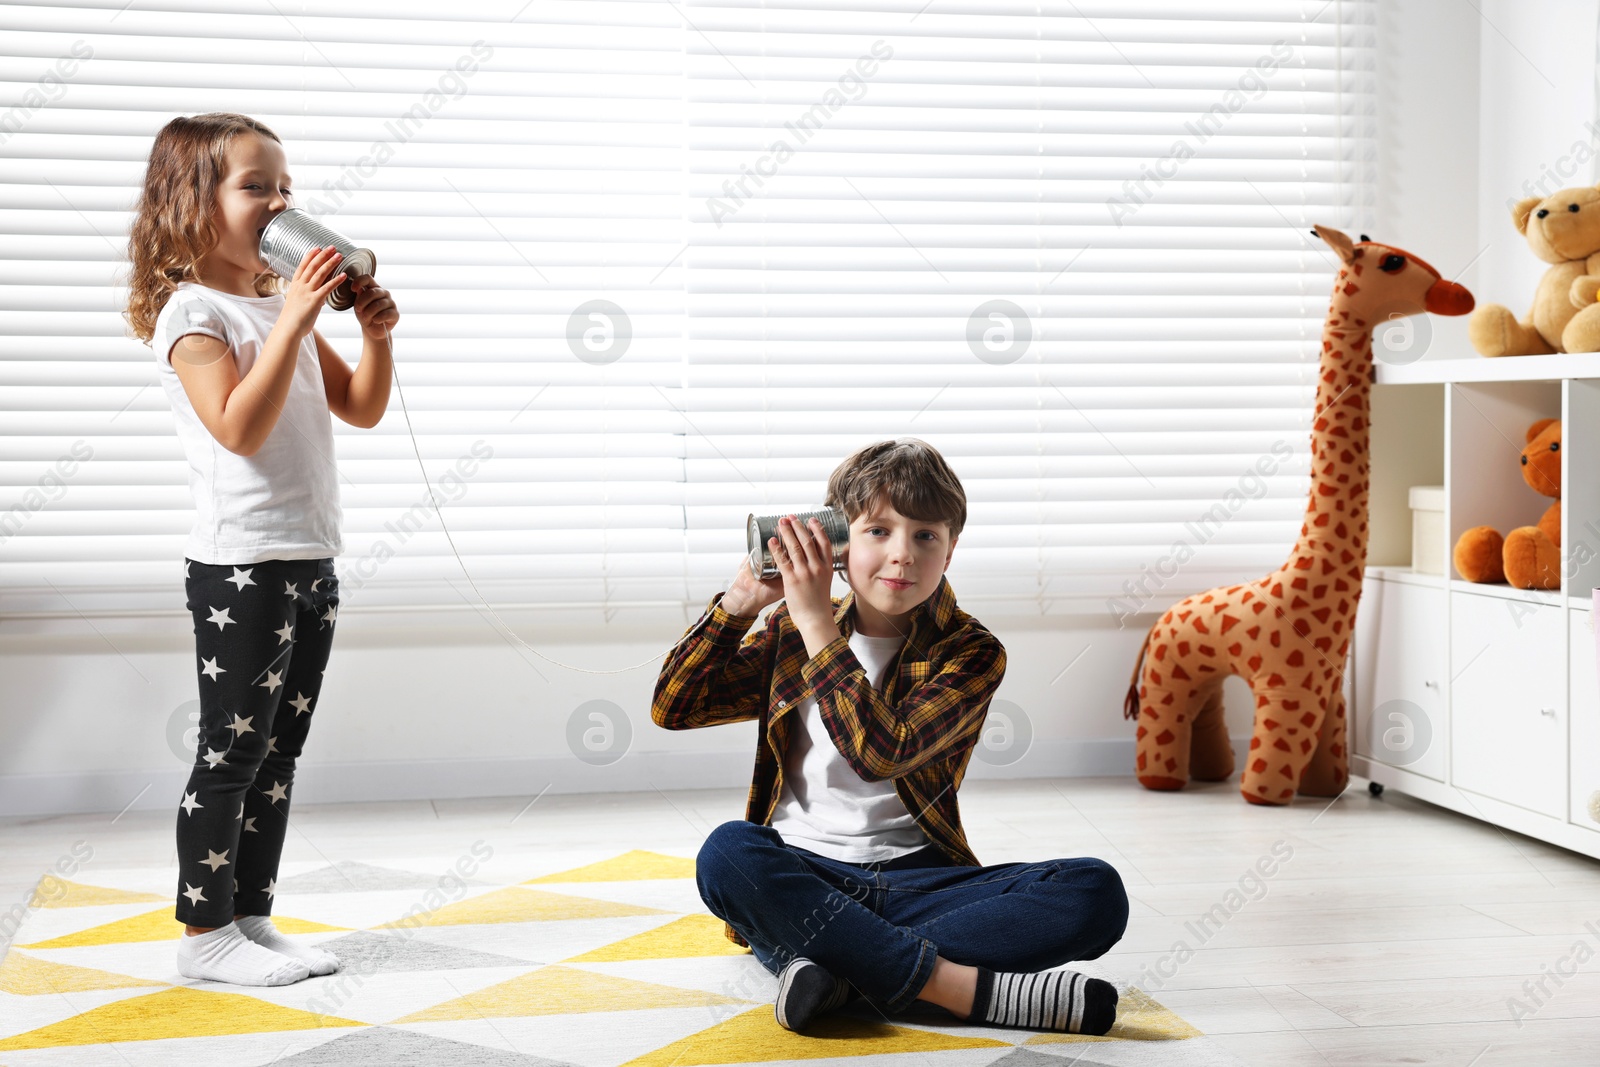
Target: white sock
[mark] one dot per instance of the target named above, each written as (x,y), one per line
(226,955)
(259,929)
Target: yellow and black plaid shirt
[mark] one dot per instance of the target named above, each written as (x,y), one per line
(920,730)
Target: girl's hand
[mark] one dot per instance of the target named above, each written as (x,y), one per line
(805,566)
(313,280)
(375,309)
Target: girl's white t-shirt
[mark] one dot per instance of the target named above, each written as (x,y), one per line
(282,502)
(826,807)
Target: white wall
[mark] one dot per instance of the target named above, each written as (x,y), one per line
(440,705)
(1536,103)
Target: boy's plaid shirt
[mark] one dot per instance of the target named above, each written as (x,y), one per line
(920,730)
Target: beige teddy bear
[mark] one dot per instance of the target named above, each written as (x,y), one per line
(1563,230)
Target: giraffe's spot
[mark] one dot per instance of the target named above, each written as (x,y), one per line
(1259,766)
(1296,658)
(1139,734)
(1318,592)
(1179,674)
(1271,724)
(1165,737)
(1183,648)
(1235,649)
(1255,743)
(1160,653)
(1200,624)
(1276,640)
(1255,663)
(1321,614)
(1254,631)
(1208,651)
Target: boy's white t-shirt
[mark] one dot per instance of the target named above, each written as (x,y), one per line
(826,807)
(282,502)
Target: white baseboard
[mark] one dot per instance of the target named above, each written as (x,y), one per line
(335,783)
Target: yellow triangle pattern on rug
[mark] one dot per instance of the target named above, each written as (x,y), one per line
(558,990)
(755,1037)
(176,1012)
(29,977)
(635,866)
(1139,1018)
(692,935)
(161,926)
(514,904)
(59,893)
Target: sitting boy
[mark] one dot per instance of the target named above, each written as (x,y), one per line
(851,872)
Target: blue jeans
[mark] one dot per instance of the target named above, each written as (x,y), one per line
(881,926)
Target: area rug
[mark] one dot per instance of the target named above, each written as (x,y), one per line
(555,960)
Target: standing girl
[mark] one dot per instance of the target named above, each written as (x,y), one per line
(251,383)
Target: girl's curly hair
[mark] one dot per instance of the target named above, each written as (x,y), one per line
(172,223)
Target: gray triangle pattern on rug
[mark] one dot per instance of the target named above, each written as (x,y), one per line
(403,1048)
(348,876)
(367,952)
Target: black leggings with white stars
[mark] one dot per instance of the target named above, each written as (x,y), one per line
(262,632)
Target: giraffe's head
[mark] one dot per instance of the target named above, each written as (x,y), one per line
(1379,281)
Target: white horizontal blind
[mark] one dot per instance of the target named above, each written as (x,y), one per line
(867,183)
(595,154)
(547,177)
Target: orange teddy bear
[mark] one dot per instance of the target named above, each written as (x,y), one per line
(1528,557)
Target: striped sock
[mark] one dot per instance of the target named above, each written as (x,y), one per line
(805,991)
(1045,1000)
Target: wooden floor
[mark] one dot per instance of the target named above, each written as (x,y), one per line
(1388,932)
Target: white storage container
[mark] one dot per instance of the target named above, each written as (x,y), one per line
(1427,529)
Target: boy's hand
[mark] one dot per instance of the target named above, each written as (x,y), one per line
(375,308)
(805,565)
(747,595)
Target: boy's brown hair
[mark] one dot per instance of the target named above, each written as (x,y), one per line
(172,221)
(910,474)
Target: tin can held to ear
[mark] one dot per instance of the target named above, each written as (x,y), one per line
(758,528)
(293,233)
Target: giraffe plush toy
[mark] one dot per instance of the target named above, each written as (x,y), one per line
(1287,634)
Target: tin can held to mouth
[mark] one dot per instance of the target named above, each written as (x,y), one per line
(293,233)
(758,528)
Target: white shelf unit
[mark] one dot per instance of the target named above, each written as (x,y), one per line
(1484,698)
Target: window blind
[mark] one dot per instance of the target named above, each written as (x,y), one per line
(662,264)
